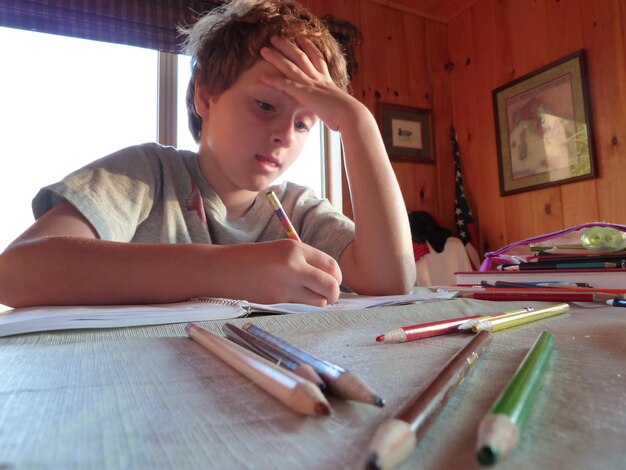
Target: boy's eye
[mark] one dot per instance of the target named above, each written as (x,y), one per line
(301,126)
(265,106)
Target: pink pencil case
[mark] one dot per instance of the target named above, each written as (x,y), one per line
(520,251)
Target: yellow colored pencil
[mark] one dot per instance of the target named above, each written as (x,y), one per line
(501,323)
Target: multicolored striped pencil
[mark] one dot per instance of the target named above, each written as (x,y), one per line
(282,215)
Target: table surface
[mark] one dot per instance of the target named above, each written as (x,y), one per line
(151,397)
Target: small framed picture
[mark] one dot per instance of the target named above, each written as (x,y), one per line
(543,127)
(407,132)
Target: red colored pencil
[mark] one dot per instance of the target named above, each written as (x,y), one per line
(424,330)
(435,328)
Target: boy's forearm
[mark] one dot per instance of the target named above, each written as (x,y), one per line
(382,249)
(70,270)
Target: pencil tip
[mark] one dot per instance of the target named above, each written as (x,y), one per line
(322,409)
(487,455)
(373,462)
(378,401)
(380,338)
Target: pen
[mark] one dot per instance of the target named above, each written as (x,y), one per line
(617,302)
(282,216)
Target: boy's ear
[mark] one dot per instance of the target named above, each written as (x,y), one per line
(201,99)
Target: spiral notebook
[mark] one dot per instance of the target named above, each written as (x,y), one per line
(35,319)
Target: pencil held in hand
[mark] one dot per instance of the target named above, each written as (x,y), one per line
(343,383)
(299,394)
(282,215)
(396,438)
(499,431)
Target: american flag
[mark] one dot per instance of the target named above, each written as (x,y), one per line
(466,228)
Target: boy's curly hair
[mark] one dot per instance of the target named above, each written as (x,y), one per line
(226,42)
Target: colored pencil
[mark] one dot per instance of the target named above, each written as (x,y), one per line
(541,295)
(566,265)
(471,323)
(422,330)
(298,394)
(441,327)
(509,321)
(343,383)
(396,438)
(550,285)
(282,215)
(248,340)
(499,431)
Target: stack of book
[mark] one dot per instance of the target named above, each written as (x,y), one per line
(554,267)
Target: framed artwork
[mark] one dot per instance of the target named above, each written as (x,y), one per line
(543,127)
(407,132)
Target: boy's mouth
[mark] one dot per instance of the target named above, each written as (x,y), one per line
(268,162)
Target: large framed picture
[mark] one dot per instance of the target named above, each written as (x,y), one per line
(543,127)
(407,132)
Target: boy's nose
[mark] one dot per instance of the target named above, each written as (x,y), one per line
(283,132)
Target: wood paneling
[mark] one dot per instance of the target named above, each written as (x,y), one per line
(452,62)
(508,39)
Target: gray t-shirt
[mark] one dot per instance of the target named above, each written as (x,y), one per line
(155,194)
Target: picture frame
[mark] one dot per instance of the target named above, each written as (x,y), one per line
(543,127)
(407,132)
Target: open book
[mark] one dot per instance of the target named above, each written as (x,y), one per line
(33,319)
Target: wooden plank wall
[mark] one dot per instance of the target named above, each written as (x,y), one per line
(496,41)
(402,61)
(452,69)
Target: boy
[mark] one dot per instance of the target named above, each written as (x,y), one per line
(152,224)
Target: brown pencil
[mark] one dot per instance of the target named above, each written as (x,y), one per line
(248,340)
(343,383)
(397,437)
(299,394)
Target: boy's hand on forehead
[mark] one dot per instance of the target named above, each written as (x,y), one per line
(306,79)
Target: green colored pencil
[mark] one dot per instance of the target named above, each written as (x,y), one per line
(499,431)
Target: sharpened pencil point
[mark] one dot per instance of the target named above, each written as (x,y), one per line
(378,401)
(373,462)
(322,409)
(487,455)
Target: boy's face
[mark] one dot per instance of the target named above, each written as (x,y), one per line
(252,132)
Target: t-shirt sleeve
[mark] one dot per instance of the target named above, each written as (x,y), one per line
(114,193)
(320,224)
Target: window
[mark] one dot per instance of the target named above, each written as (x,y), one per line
(66,102)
